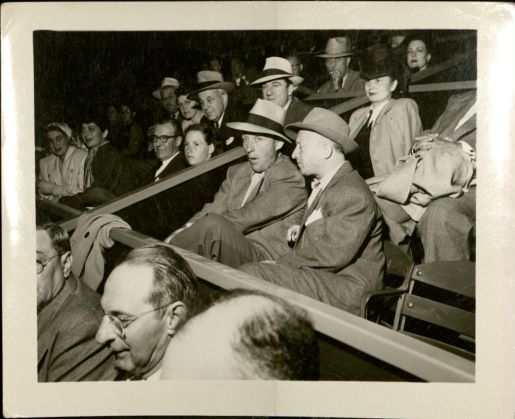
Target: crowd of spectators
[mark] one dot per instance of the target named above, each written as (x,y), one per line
(374,176)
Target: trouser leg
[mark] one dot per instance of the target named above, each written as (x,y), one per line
(216,238)
(446,226)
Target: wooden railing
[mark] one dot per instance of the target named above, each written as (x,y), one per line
(402,351)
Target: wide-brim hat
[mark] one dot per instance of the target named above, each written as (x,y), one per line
(167,82)
(378,61)
(277,68)
(327,124)
(337,47)
(208,80)
(265,117)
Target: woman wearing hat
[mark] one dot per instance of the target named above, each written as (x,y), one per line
(385,129)
(62,172)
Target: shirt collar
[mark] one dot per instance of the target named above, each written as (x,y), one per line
(376,110)
(165,163)
(323,182)
(285,107)
(221,119)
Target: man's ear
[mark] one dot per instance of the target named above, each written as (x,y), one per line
(278,145)
(175,316)
(211,149)
(66,263)
(393,86)
(178,141)
(291,89)
(327,150)
(347,60)
(104,134)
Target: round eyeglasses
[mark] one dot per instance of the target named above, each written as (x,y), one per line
(40,266)
(122,324)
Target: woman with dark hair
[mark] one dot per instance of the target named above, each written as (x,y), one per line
(385,130)
(418,54)
(108,173)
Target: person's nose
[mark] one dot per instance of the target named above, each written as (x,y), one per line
(106,332)
(249,146)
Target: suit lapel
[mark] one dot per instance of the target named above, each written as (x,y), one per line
(466,128)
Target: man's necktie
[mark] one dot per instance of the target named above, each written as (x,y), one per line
(369,119)
(314,197)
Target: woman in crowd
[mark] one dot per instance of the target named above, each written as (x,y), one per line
(190,110)
(385,130)
(418,55)
(198,143)
(108,173)
(62,172)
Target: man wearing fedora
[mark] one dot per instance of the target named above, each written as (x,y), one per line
(337,56)
(337,251)
(256,203)
(213,94)
(166,95)
(278,83)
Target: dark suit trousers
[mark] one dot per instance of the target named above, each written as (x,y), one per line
(216,238)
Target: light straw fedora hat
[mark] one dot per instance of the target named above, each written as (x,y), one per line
(266,118)
(337,47)
(167,82)
(208,80)
(277,68)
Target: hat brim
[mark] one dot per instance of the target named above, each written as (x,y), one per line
(225,85)
(335,55)
(256,129)
(347,144)
(296,80)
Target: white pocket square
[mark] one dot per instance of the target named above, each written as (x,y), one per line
(315,215)
(229,141)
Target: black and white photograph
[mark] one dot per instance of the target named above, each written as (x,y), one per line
(258,208)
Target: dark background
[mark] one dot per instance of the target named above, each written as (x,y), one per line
(78,70)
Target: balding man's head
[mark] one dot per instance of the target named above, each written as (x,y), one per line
(245,335)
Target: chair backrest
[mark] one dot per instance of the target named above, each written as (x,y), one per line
(456,280)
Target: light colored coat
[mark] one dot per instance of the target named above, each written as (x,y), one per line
(392,135)
(66,176)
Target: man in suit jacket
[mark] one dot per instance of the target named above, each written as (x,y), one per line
(256,203)
(337,57)
(278,83)
(213,94)
(337,253)
(69,314)
(446,228)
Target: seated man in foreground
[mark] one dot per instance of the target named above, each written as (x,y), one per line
(256,203)
(147,298)
(337,253)
(258,337)
(68,316)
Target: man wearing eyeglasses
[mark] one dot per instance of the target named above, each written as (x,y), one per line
(147,298)
(166,140)
(68,316)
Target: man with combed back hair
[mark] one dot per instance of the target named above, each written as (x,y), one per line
(147,298)
(258,337)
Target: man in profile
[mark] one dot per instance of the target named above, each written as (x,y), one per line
(337,249)
(147,298)
(68,316)
(257,337)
